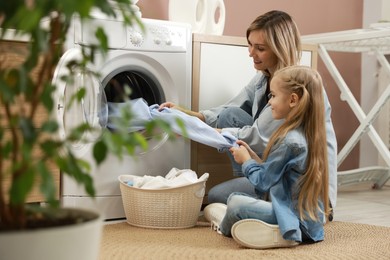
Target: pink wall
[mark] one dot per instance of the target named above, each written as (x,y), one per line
(312,16)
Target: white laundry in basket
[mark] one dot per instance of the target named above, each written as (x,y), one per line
(174,178)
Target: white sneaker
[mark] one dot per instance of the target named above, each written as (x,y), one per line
(257,234)
(214,214)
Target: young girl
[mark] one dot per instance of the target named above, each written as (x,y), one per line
(291,178)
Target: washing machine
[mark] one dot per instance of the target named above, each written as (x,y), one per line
(156,64)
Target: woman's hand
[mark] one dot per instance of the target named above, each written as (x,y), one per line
(188,112)
(166,104)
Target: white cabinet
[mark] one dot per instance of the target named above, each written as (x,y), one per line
(221,67)
(224,71)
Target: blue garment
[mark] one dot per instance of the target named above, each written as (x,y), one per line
(195,129)
(252,99)
(139,110)
(277,177)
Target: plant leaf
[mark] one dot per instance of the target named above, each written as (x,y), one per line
(99,151)
(47,186)
(21,186)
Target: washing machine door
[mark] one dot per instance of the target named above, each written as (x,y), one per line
(75,109)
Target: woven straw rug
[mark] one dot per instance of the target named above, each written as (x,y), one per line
(343,241)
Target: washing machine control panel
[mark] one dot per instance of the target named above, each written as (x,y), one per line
(159,36)
(156,35)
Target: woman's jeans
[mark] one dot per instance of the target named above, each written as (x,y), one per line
(232,117)
(243,206)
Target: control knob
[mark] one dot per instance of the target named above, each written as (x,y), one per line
(136,38)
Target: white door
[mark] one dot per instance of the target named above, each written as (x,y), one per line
(92,109)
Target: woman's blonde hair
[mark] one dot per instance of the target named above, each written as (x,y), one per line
(309,114)
(281,35)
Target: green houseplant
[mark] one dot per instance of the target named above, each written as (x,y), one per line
(27,147)
(30,147)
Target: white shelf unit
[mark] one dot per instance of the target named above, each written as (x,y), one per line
(374,40)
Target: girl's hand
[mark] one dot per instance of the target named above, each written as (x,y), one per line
(240,154)
(251,153)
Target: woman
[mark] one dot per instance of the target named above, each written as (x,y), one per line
(292,200)
(273,43)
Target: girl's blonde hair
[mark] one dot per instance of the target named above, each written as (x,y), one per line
(309,114)
(281,35)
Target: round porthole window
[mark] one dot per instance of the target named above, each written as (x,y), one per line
(131,85)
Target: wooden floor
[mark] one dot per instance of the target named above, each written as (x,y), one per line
(362,204)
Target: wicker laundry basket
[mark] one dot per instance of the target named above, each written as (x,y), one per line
(170,208)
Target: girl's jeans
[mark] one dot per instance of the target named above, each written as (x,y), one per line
(243,206)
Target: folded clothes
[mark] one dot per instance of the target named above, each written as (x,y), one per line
(174,178)
(195,129)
